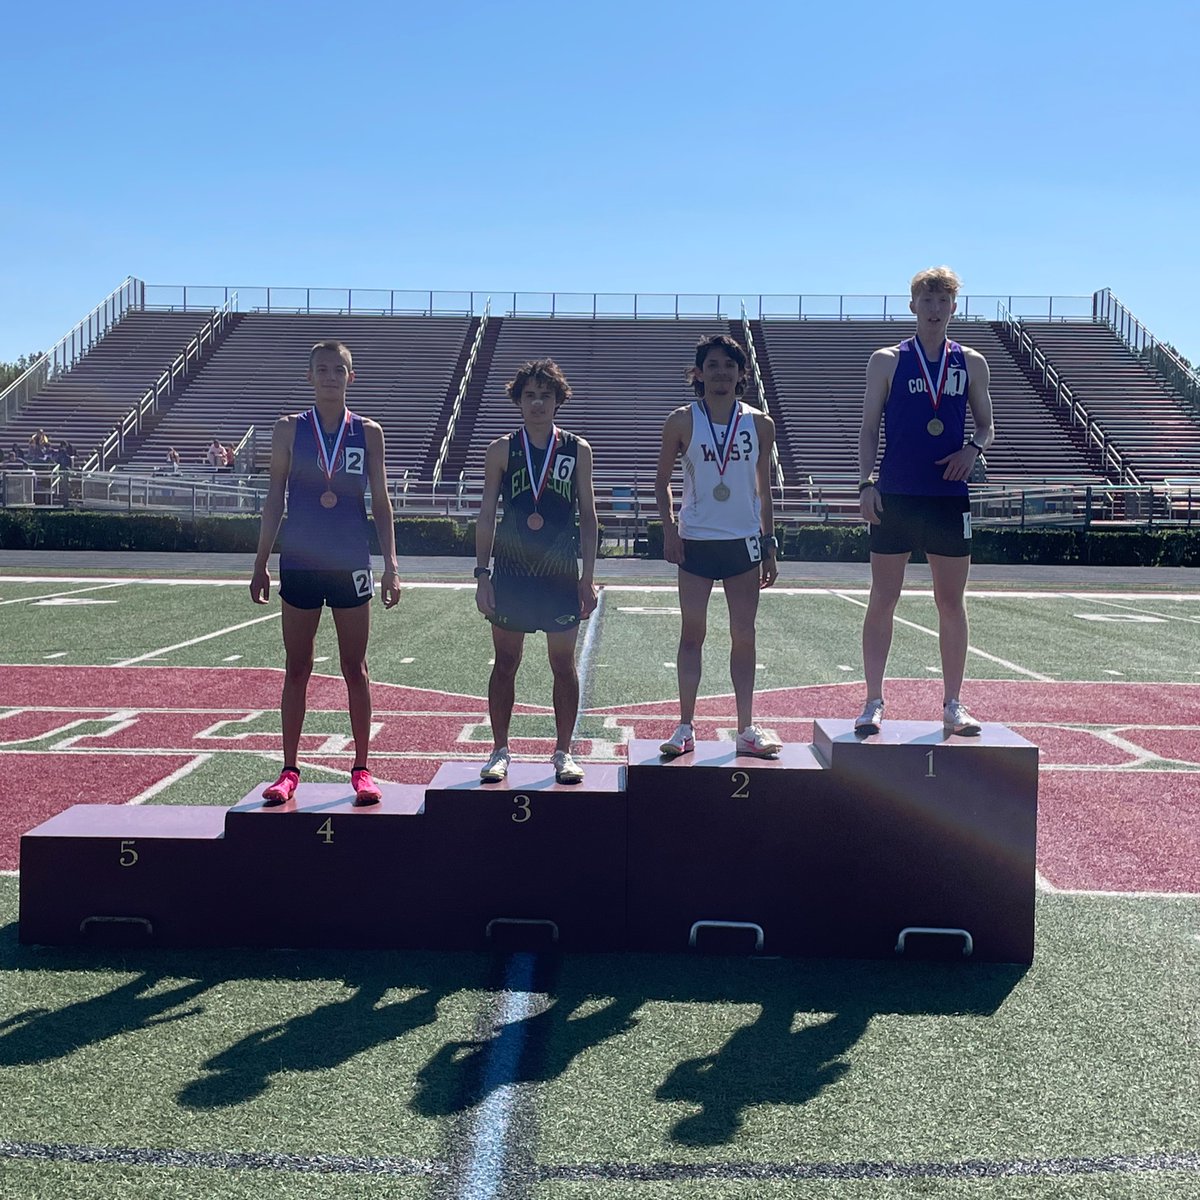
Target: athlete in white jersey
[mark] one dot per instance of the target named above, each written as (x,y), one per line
(724,530)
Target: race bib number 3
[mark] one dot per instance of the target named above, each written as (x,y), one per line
(754,547)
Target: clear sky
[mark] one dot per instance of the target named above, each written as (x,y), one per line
(775,147)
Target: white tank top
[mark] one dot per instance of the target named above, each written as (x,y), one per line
(702,516)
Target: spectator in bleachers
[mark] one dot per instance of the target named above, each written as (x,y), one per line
(322,462)
(173,460)
(725,530)
(15,457)
(63,456)
(215,457)
(228,457)
(39,443)
(920,390)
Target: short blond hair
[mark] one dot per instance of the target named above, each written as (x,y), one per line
(935,279)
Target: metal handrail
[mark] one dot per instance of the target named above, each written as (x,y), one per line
(748,334)
(1065,397)
(109,451)
(600,305)
(72,346)
(1163,358)
(460,395)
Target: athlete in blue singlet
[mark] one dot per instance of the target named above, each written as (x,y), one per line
(921,390)
(323,460)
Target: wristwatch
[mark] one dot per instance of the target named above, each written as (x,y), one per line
(771,543)
(481,571)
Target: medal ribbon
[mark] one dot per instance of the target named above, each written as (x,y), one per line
(722,451)
(551,450)
(935,396)
(327,457)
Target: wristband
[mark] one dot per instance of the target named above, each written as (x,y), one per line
(973,442)
(481,571)
(866,483)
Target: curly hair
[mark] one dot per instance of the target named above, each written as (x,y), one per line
(717,341)
(539,370)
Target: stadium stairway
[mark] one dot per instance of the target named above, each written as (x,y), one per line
(819,372)
(1146,419)
(456,454)
(783,437)
(83,405)
(404,367)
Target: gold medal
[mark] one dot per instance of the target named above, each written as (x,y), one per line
(328,500)
(721,492)
(935,427)
(535,520)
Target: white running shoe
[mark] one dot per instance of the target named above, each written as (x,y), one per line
(758,743)
(496,767)
(566,769)
(682,741)
(956,719)
(869,720)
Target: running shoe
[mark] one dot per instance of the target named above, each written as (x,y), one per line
(496,767)
(870,719)
(566,769)
(366,790)
(758,743)
(682,741)
(956,719)
(284,788)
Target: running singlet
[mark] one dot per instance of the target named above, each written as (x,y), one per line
(326,539)
(910,452)
(702,517)
(552,549)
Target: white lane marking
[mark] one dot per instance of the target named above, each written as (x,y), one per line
(406,661)
(1122,618)
(1146,615)
(1000,662)
(167,780)
(56,654)
(489,1135)
(232,658)
(119,720)
(207,637)
(74,592)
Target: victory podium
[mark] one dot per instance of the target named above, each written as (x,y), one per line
(908,841)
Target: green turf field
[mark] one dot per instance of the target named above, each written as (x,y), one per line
(296,1074)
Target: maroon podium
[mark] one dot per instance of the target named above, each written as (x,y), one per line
(902,842)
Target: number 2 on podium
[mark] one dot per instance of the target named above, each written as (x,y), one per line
(742,789)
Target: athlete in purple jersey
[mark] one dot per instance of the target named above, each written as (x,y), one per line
(324,460)
(922,389)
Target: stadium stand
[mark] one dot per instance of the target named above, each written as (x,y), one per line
(83,405)
(819,371)
(1143,415)
(626,376)
(404,369)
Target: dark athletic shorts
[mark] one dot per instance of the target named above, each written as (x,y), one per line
(721,559)
(533,604)
(338,589)
(932,524)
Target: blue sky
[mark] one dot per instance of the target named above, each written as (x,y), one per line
(1043,148)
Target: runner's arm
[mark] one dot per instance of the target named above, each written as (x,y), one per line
(381,512)
(282,437)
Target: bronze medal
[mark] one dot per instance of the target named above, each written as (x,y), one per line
(935,426)
(535,520)
(328,500)
(721,492)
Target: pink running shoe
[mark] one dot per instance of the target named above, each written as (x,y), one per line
(283,789)
(366,790)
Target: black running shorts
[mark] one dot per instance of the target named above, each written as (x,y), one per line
(932,524)
(536,604)
(338,589)
(721,559)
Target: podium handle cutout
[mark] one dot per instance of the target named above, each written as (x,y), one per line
(698,925)
(553,925)
(968,941)
(142,921)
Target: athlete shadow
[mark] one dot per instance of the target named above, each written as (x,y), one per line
(766,1062)
(536,1049)
(319,1040)
(41,1034)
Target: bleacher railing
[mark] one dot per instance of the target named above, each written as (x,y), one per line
(1161,357)
(1111,458)
(110,451)
(598,305)
(460,395)
(748,335)
(72,346)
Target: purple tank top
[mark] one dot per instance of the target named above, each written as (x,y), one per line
(911,450)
